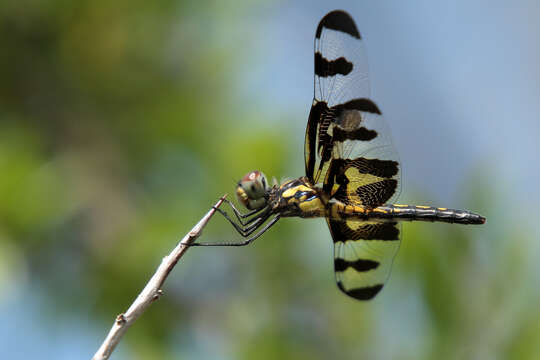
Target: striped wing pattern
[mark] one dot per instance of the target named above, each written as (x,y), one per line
(349,150)
(363,255)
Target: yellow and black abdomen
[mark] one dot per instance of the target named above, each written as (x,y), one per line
(427,213)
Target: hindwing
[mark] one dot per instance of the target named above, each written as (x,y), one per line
(363,255)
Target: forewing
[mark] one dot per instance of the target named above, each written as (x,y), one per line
(363,255)
(344,124)
(340,75)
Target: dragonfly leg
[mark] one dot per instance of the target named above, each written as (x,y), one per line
(244,228)
(239,214)
(247,241)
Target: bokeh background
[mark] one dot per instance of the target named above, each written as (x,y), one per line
(122,122)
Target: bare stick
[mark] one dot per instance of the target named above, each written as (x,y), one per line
(152,291)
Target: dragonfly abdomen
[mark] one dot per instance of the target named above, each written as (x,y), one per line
(428,213)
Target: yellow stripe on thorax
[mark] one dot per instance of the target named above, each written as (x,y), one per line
(314,205)
(290,192)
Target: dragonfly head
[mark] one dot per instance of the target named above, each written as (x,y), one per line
(251,190)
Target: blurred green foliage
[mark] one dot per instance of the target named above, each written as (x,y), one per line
(118,131)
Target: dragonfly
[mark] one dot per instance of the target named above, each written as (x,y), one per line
(352,171)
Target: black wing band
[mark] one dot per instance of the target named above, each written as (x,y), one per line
(338,20)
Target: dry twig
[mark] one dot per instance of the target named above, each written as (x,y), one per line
(152,291)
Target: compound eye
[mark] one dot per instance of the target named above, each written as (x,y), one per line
(251,190)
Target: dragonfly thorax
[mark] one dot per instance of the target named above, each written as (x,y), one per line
(252,190)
